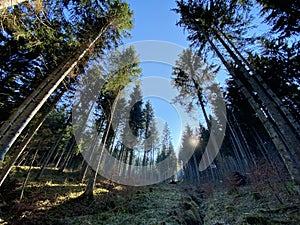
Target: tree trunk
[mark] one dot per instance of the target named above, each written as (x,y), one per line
(53,148)
(241,141)
(28,174)
(92,181)
(238,149)
(68,156)
(120,158)
(289,162)
(11,130)
(212,148)
(130,162)
(284,110)
(5,171)
(63,151)
(288,135)
(273,161)
(83,172)
(288,159)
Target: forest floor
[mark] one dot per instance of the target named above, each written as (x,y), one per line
(57,199)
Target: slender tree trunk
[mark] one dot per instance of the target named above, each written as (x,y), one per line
(68,156)
(69,159)
(83,172)
(125,158)
(89,192)
(272,161)
(63,152)
(11,130)
(21,159)
(241,134)
(212,148)
(238,148)
(201,102)
(289,136)
(5,171)
(288,159)
(196,171)
(28,174)
(284,110)
(120,158)
(241,141)
(85,167)
(130,161)
(53,148)
(238,159)
(111,143)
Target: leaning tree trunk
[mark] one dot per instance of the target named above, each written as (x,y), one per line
(244,144)
(69,155)
(271,160)
(289,161)
(280,106)
(213,150)
(89,192)
(291,165)
(239,150)
(5,171)
(28,174)
(61,155)
(11,130)
(83,172)
(53,148)
(289,135)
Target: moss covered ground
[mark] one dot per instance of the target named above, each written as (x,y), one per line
(57,199)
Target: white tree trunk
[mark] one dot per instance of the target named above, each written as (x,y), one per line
(5,171)
(11,130)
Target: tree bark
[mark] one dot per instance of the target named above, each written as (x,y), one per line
(28,174)
(20,119)
(5,171)
(284,152)
(288,135)
(53,148)
(280,106)
(68,156)
(92,181)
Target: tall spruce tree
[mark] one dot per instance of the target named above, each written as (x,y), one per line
(92,26)
(209,23)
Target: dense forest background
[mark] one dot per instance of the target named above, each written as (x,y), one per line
(49,47)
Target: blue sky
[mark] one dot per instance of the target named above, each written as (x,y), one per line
(154,20)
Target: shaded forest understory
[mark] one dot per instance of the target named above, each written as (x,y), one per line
(58,199)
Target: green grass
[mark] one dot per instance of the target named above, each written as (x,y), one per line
(57,199)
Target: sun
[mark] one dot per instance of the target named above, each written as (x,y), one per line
(194,141)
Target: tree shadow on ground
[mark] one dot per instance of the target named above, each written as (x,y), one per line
(51,200)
